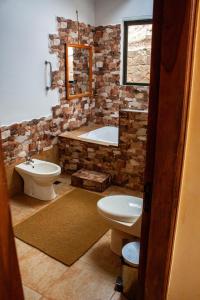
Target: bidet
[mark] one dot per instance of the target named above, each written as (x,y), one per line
(39,176)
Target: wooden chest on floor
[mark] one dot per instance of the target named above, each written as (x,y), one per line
(91,180)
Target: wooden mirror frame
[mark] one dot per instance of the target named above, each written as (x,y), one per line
(89,93)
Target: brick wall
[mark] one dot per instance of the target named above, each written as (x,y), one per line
(103,108)
(40,134)
(110,96)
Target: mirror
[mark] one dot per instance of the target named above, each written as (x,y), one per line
(78,70)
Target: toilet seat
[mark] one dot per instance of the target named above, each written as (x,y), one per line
(121,208)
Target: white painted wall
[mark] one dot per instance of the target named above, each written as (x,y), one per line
(109,12)
(24,29)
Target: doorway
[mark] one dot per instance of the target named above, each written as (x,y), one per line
(174,25)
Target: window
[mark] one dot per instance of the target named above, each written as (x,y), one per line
(137,52)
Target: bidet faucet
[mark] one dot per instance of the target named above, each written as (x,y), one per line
(29,160)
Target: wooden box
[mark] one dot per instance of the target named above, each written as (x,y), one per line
(91,180)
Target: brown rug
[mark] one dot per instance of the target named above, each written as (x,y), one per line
(65,229)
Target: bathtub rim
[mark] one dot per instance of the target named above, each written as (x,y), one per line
(99,141)
(75,135)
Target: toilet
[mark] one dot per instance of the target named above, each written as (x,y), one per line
(39,176)
(123,215)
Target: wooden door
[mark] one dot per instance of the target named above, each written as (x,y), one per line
(10,281)
(172,49)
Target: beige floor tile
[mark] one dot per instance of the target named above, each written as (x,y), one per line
(23,206)
(29,294)
(102,258)
(64,178)
(38,270)
(82,281)
(22,249)
(118,296)
(62,188)
(16,214)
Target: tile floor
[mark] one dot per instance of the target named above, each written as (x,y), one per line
(92,277)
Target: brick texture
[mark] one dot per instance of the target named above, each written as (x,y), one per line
(124,163)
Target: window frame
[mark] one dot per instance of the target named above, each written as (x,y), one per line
(126,24)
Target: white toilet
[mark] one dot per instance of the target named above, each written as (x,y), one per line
(39,176)
(123,214)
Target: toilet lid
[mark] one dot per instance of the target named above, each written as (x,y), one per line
(121,207)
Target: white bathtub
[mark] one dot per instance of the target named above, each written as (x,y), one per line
(107,135)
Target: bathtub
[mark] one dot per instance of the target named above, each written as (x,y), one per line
(107,135)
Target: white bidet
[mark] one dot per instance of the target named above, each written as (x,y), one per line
(39,177)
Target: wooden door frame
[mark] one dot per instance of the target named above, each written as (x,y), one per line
(10,280)
(174,24)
